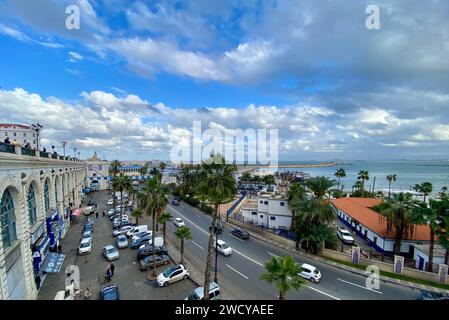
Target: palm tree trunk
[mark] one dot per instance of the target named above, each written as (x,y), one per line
(165,231)
(152,241)
(210,248)
(281,295)
(389,189)
(446,256)
(363,188)
(137,220)
(431,245)
(182,251)
(397,243)
(338,187)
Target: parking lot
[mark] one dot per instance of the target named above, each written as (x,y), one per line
(132,283)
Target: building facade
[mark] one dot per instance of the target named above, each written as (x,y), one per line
(98,177)
(18,133)
(37,196)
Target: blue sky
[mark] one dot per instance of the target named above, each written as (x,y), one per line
(137,73)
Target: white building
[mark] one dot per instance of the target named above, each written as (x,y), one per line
(270,210)
(98,176)
(37,195)
(18,133)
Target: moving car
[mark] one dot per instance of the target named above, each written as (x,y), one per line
(429,295)
(109,293)
(174,273)
(179,222)
(85,246)
(147,250)
(222,247)
(198,293)
(110,202)
(110,253)
(240,233)
(147,263)
(175,202)
(122,241)
(310,272)
(122,230)
(345,236)
(217,228)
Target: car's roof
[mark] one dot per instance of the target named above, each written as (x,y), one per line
(220,242)
(109,247)
(308,266)
(85,240)
(178,219)
(200,290)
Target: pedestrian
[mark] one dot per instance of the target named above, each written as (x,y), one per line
(104,213)
(112,267)
(108,274)
(96,214)
(6,141)
(28,146)
(44,149)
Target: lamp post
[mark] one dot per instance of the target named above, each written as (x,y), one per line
(37,127)
(75,150)
(64,144)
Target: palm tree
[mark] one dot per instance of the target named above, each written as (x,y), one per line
(246,178)
(144,170)
(340,173)
(363,176)
(115,169)
(163,218)
(162,166)
(295,194)
(137,213)
(443,192)
(284,272)
(397,212)
(183,233)
(121,183)
(391,178)
(320,186)
(269,179)
(426,189)
(216,186)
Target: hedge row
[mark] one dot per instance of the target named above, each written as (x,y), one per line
(194,202)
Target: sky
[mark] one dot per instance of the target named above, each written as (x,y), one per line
(131,80)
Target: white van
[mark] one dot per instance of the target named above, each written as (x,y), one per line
(136,230)
(159,241)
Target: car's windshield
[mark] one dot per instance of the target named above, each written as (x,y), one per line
(193,296)
(224,246)
(110,250)
(345,233)
(110,295)
(84,245)
(316,272)
(167,272)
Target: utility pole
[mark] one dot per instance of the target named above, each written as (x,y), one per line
(37,127)
(75,150)
(64,144)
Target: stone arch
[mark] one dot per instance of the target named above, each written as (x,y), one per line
(33,202)
(13,187)
(57,190)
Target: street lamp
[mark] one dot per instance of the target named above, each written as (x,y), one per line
(75,150)
(37,127)
(216,245)
(64,144)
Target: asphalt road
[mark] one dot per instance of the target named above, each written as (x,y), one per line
(239,273)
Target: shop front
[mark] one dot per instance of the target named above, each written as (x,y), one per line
(55,226)
(40,244)
(15,275)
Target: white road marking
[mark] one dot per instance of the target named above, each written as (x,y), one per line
(207,233)
(197,245)
(272,254)
(322,292)
(354,284)
(236,237)
(236,271)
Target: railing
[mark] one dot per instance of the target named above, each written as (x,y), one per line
(28,152)
(43,154)
(232,208)
(6,148)
(54,156)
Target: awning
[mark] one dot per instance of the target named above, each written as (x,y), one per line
(77,212)
(53,263)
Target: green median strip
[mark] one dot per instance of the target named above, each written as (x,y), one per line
(393,275)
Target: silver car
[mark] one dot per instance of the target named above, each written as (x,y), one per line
(110,253)
(122,241)
(122,230)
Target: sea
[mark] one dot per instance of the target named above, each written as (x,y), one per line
(408,173)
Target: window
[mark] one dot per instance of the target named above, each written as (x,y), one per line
(34,141)
(31,200)
(6,134)
(24,134)
(266,202)
(375,240)
(15,134)
(272,218)
(254,213)
(8,220)
(282,203)
(261,201)
(34,135)
(46,197)
(261,216)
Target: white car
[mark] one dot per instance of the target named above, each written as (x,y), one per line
(172,274)
(123,230)
(310,272)
(141,234)
(110,202)
(179,222)
(85,246)
(111,212)
(345,236)
(89,210)
(122,241)
(222,247)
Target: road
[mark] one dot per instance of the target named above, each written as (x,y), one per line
(240,272)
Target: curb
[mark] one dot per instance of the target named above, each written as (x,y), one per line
(404,283)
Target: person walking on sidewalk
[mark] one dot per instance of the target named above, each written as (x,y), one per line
(108,275)
(112,267)
(96,214)
(104,213)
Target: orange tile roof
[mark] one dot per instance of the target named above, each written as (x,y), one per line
(359,209)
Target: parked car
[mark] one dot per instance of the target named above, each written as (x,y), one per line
(310,272)
(122,230)
(141,234)
(89,210)
(173,274)
(222,247)
(110,202)
(110,213)
(175,202)
(86,235)
(85,246)
(109,293)
(217,228)
(137,230)
(241,233)
(118,224)
(429,295)
(158,241)
(91,202)
(198,293)
(88,227)
(122,241)
(179,222)
(139,241)
(147,250)
(345,236)
(110,253)
(147,263)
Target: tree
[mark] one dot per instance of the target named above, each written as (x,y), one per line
(426,189)
(144,170)
(163,218)
(295,194)
(397,212)
(216,186)
(183,233)
(245,178)
(391,178)
(320,186)
(340,173)
(363,176)
(115,169)
(121,183)
(269,180)
(162,166)
(137,213)
(284,272)
(443,192)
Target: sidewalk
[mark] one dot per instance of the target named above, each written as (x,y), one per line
(259,235)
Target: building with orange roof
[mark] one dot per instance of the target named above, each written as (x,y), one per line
(356,213)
